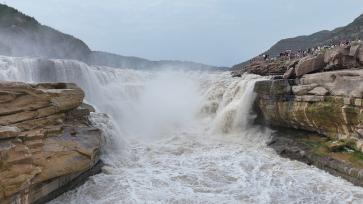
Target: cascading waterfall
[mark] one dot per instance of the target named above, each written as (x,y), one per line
(181,137)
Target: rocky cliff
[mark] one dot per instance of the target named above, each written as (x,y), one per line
(328,103)
(47,143)
(321,94)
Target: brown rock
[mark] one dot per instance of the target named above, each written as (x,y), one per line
(310,64)
(345,83)
(300,90)
(360,54)
(354,49)
(349,62)
(360,132)
(331,55)
(290,73)
(45,135)
(8,132)
(343,57)
(319,91)
(309,98)
(293,63)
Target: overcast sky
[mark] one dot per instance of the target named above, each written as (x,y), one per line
(217,32)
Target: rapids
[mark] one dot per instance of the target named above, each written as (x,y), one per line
(174,136)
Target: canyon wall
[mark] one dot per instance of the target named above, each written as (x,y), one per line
(47,143)
(321,97)
(328,103)
(322,93)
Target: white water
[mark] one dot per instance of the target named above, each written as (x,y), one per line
(181,137)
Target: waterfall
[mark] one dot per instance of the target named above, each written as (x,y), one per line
(180,137)
(116,92)
(234,113)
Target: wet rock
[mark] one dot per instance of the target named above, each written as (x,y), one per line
(88,107)
(273,87)
(237,73)
(309,148)
(336,146)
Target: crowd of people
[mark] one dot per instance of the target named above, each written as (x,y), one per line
(289,54)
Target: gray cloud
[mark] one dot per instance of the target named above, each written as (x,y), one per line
(218,32)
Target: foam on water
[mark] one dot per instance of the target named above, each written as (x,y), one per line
(181,137)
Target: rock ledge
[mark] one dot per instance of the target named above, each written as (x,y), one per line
(46,141)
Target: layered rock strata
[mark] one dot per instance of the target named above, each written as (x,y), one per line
(329,103)
(46,140)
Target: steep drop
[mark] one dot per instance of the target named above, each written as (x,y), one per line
(181,137)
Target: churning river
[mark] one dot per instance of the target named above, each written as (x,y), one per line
(181,137)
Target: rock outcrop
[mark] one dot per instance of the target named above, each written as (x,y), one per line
(329,103)
(337,58)
(332,156)
(309,64)
(326,110)
(263,67)
(46,140)
(316,86)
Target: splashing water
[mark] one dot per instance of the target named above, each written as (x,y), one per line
(181,137)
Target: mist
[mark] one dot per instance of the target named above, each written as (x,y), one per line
(169,128)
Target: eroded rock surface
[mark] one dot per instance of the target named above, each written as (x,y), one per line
(309,64)
(46,139)
(329,103)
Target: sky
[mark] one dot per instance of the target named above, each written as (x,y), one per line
(215,32)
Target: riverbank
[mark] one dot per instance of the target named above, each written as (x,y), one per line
(313,149)
(47,143)
(322,94)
